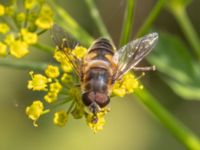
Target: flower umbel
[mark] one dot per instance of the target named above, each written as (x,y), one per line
(96,122)
(21,27)
(62,86)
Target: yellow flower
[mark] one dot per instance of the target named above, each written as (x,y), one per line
(126,85)
(20,17)
(29,37)
(75,93)
(79,51)
(35,111)
(51,97)
(130,82)
(10,38)
(30,4)
(38,82)
(67,79)
(44,22)
(18,48)
(66,66)
(53,92)
(52,71)
(3,50)
(78,111)
(2,10)
(55,87)
(96,123)
(61,58)
(60,118)
(4,28)
(45,19)
(46,11)
(119,90)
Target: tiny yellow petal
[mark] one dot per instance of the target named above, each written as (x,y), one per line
(18,49)
(52,71)
(60,118)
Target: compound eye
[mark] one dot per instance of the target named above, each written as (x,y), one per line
(88,98)
(102,99)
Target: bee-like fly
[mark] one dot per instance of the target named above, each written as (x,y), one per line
(103,65)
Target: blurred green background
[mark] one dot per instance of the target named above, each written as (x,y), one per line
(129,125)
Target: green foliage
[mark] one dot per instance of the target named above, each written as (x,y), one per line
(172,58)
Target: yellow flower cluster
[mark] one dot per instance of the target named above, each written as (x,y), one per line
(126,85)
(61,88)
(97,122)
(37,18)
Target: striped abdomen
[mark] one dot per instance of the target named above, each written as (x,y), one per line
(97,73)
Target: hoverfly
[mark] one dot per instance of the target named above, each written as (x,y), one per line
(103,65)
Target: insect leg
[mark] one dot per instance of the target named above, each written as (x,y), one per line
(149,68)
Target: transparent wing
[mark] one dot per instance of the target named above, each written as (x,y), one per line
(131,54)
(66,43)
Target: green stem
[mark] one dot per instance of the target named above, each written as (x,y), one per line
(96,17)
(44,48)
(41,32)
(22,64)
(71,107)
(187,28)
(151,18)
(60,104)
(128,22)
(182,133)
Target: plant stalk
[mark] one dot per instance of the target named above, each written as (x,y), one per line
(183,134)
(128,22)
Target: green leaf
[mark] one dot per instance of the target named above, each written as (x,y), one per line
(181,73)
